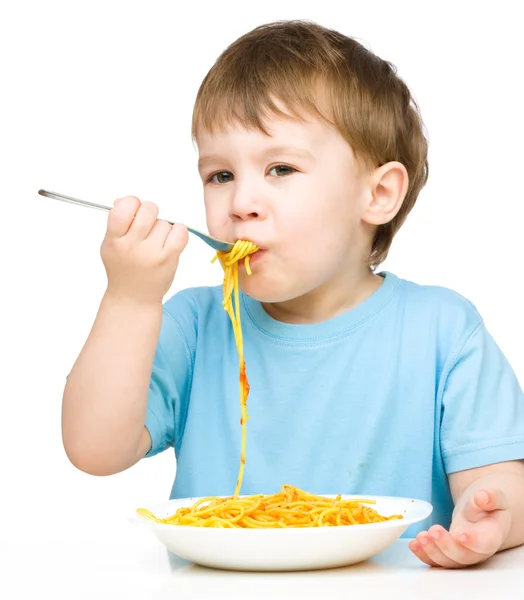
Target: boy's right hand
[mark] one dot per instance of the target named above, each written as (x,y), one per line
(140,252)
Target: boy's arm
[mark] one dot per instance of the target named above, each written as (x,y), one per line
(105,397)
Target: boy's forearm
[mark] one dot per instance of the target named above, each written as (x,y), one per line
(105,397)
(512,484)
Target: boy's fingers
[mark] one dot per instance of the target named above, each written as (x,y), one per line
(483,540)
(459,548)
(143,222)
(121,216)
(159,233)
(434,553)
(177,239)
(418,551)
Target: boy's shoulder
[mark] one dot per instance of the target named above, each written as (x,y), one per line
(444,303)
(438,294)
(191,310)
(194,302)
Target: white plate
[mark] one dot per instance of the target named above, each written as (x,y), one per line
(289,549)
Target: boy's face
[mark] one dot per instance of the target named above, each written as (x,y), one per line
(299,194)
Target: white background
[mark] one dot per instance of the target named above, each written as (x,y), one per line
(96,100)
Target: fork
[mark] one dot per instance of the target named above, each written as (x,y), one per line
(214,242)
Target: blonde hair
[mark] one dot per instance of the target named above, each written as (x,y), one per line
(302,64)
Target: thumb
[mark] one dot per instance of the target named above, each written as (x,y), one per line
(483,502)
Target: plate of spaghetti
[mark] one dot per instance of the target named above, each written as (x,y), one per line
(288,531)
(292,529)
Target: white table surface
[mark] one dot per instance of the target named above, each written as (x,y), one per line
(131,563)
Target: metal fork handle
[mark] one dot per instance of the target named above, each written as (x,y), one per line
(209,239)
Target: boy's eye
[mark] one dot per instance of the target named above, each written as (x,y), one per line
(282,170)
(221,177)
(226,176)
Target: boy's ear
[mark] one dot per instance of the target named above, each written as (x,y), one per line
(389,185)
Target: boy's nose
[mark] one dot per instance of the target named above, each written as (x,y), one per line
(246,205)
(242,215)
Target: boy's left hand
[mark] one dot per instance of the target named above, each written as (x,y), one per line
(477,531)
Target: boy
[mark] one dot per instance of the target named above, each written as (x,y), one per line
(311,147)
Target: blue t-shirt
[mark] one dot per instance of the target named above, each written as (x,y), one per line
(387,398)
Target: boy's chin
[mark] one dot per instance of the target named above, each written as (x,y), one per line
(265,294)
(267,298)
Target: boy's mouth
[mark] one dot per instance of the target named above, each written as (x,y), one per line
(254,258)
(250,240)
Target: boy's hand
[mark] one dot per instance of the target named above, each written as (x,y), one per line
(477,531)
(140,252)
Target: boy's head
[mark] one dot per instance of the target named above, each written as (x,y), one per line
(311,146)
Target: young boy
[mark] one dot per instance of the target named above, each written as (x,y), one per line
(361,382)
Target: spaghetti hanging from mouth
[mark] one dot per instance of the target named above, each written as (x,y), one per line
(229,260)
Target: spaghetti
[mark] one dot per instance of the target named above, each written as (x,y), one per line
(229,260)
(291,507)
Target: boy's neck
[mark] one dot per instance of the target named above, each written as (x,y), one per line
(328,301)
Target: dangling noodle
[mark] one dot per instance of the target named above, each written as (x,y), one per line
(291,507)
(229,260)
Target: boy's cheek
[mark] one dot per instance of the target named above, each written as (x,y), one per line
(217,224)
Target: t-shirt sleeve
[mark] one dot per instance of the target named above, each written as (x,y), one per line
(482,418)
(169,386)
